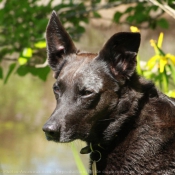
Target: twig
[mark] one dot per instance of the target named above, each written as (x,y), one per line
(10,59)
(42,65)
(164,7)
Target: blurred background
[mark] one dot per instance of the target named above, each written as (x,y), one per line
(27,100)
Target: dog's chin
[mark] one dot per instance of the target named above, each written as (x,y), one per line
(59,140)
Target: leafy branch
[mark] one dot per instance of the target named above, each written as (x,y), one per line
(22,27)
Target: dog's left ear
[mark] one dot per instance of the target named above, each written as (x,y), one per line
(120,53)
(59,43)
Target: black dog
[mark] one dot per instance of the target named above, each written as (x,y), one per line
(128,125)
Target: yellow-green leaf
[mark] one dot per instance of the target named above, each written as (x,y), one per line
(162,62)
(134,29)
(27,52)
(157,50)
(153,44)
(171,57)
(164,82)
(171,94)
(40,44)
(160,40)
(22,60)
(139,70)
(152,61)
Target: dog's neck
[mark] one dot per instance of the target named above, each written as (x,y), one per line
(114,136)
(117,130)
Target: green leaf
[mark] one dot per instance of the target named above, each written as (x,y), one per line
(1,73)
(163,23)
(154,8)
(96,15)
(22,70)
(78,161)
(42,73)
(130,19)
(153,24)
(117,16)
(172,68)
(11,68)
(129,9)
(96,1)
(162,79)
(139,70)
(165,82)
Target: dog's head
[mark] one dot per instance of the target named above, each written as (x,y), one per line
(88,86)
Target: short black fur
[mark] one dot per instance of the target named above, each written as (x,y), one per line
(101,100)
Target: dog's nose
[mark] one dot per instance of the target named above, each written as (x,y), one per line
(50,130)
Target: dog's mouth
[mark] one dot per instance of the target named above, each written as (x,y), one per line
(56,137)
(50,136)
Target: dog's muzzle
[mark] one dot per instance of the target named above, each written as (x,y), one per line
(51,132)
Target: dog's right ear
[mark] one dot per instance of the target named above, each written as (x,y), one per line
(59,43)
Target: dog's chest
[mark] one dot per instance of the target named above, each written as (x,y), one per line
(146,156)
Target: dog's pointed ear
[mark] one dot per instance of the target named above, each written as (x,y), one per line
(59,43)
(120,53)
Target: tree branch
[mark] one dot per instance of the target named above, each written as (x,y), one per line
(95,8)
(10,59)
(164,7)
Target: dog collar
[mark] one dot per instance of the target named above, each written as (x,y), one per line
(95,155)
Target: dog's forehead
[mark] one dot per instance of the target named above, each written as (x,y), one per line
(81,67)
(77,64)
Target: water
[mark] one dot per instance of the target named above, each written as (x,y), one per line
(26,151)
(24,107)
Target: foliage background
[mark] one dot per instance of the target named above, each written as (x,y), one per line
(26,99)
(22,27)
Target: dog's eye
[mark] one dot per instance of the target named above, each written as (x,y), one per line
(85,92)
(56,89)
